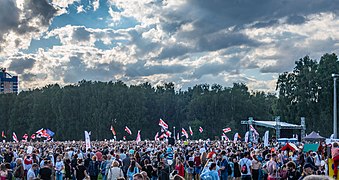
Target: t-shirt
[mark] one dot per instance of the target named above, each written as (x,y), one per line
(197,161)
(30,174)
(45,173)
(248,165)
(8,157)
(190,161)
(80,172)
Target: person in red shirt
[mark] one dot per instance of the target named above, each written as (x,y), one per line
(335,156)
(98,154)
(179,167)
(197,165)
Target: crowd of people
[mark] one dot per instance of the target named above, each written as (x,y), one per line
(129,160)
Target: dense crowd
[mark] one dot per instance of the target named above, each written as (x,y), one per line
(160,160)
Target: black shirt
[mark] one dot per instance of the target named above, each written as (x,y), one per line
(80,172)
(8,157)
(45,173)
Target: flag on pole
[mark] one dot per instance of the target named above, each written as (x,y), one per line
(191,132)
(224,137)
(25,136)
(184,132)
(235,139)
(128,130)
(87,141)
(15,138)
(113,131)
(168,133)
(156,136)
(200,129)
(33,136)
(255,131)
(124,138)
(50,133)
(246,136)
(226,130)
(138,137)
(266,138)
(163,124)
(163,135)
(3,135)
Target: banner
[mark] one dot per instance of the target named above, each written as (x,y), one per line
(226,130)
(246,136)
(235,139)
(266,136)
(138,137)
(87,140)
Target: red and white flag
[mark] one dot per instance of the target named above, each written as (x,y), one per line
(201,130)
(223,136)
(156,137)
(184,133)
(40,131)
(226,130)
(191,132)
(168,133)
(163,124)
(33,136)
(163,135)
(25,136)
(124,138)
(15,138)
(128,130)
(255,131)
(138,137)
(113,131)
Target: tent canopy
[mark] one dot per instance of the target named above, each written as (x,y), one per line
(313,136)
(290,147)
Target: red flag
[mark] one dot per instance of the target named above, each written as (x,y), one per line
(3,134)
(128,130)
(200,129)
(163,124)
(113,131)
(156,136)
(191,132)
(15,138)
(138,137)
(226,130)
(183,131)
(33,136)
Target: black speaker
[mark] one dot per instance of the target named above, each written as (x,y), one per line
(171,141)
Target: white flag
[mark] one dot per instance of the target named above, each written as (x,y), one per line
(138,137)
(87,140)
(235,137)
(246,136)
(266,138)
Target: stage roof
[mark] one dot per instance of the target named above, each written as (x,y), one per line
(273,124)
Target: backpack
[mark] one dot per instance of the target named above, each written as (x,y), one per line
(244,168)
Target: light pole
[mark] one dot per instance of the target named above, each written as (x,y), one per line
(174,132)
(335,114)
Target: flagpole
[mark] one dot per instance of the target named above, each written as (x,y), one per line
(174,131)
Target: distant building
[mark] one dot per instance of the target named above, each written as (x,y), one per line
(8,83)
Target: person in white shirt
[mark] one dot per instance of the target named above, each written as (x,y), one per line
(115,172)
(30,174)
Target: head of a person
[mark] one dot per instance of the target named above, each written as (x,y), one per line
(335,144)
(115,164)
(138,176)
(144,174)
(35,166)
(274,156)
(79,161)
(178,177)
(308,169)
(18,161)
(213,166)
(94,158)
(3,167)
(291,165)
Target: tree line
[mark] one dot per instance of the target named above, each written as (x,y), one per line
(94,106)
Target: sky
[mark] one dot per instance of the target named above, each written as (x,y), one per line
(186,42)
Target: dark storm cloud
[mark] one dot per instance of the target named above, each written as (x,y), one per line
(20,64)
(9,17)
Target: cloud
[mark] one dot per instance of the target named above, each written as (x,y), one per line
(20,64)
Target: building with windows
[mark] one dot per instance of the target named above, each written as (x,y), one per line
(8,83)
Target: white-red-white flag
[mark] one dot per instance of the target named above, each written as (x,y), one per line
(163,135)
(25,136)
(255,131)
(15,138)
(168,133)
(191,132)
(156,137)
(163,124)
(201,130)
(184,132)
(113,131)
(40,131)
(226,130)
(33,136)
(223,136)
(138,137)
(128,130)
